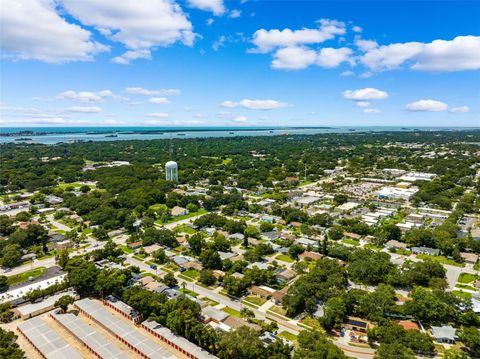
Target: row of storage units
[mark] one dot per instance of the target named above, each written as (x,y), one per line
(96,343)
(181,344)
(128,334)
(46,341)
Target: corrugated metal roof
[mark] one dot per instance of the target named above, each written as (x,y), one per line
(178,340)
(127,332)
(89,336)
(47,341)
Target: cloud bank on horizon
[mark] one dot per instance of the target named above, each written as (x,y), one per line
(211,62)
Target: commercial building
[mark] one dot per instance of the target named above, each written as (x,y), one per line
(417,176)
(33,309)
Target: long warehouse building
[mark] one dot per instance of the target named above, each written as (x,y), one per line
(184,346)
(181,344)
(126,333)
(95,342)
(47,341)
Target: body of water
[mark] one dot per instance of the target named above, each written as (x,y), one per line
(54,135)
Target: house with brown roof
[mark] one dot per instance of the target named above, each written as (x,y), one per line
(408,325)
(353,236)
(471,258)
(278,296)
(260,291)
(134,245)
(193,265)
(310,256)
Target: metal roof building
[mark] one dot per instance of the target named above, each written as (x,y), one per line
(126,333)
(47,341)
(97,343)
(181,344)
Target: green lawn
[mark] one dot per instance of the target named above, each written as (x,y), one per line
(465,286)
(47,255)
(138,257)
(232,311)
(285,258)
(24,276)
(311,322)
(462,294)
(351,242)
(191,273)
(189,292)
(372,247)
(279,311)
(126,250)
(189,215)
(257,301)
(158,206)
(76,185)
(441,259)
(288,336)
(477,266)
(185,229)
(466,277)
(209,301)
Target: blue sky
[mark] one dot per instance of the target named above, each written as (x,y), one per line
(239,63)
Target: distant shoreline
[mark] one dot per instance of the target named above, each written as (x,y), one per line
(118,130)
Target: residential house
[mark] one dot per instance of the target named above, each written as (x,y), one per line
(261,291)
(426,250)
(357,324)
(444,334)
(285,275)
(310,256)
(178,211)
(471,258)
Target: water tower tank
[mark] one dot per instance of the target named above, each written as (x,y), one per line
(171,171)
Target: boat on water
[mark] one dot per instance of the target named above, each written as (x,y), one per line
(23,139)
(231,133)
(114,135)
(181,134)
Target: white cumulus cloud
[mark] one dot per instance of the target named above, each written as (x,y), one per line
(139,25)
(131,55)
(256,104)
(368,93)
(215,6)
(84,96)
(296,58)
(461,53)
(268,40)
(293,58)
(427,105)
(460,109)
(33,30)
(329,57)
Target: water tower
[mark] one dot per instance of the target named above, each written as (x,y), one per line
(171,171)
